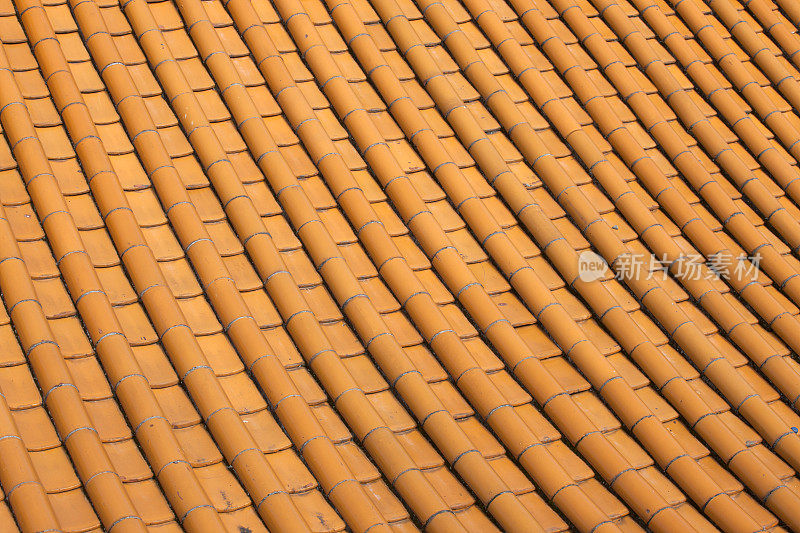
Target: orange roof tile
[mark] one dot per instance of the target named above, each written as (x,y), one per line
(337,265)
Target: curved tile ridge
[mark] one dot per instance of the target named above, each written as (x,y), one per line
(62,400)
(346,288)
(788,41)
(677,206)
(652,295)
(150,426)
(338,482)
(687,395)
(410,206)
(569,265)
(636,213)
(170,324)
(347,397)
(111,346)
(746,126)
(783,34)
(349,36)
(709,138)
(782,79)
(705,292)
(688,164)
(350,400)
(431,418)
(683,214)
(404,379)
(792,451)
(21,484)
(456,371)
(792,11)
(779,428)
(616,188)
(316,265)
(390,90)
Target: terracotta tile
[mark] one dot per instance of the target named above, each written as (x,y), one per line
(35,428)
(511,390)
(451,399)
(108,420)
(19,56)
(471,518)
(180,278)
(38,258)
(245,518)
(177,407)
(174,141)
(331,425)
(444,482)
(513,309)
(55,470)
(611,505)
(461,326)
(425,363)
(538,424)
(379,295)
(380,494)
(74,510)
(13,354)
(287,465)
(293,153)
(148,500)
(392,413)
(199,316)
(17,383)
(14,192)
(358,261)
(264,313)
(426,187)
(596,335)
(565,374)
(84,212)
(225,493)
(89,379)
(43,113)
(24,223)
(100,248)
(127,461)
(403,330)
(224,239)
(317,521)
(163,242)
(308,388)
(363,352)
(88,80)
(538,341)
(365,374)
(284,347)
(265,431)
(242,393)
(242,272)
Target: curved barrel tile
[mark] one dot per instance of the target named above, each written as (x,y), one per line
(321,265)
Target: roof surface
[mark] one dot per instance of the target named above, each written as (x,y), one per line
(343,264)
